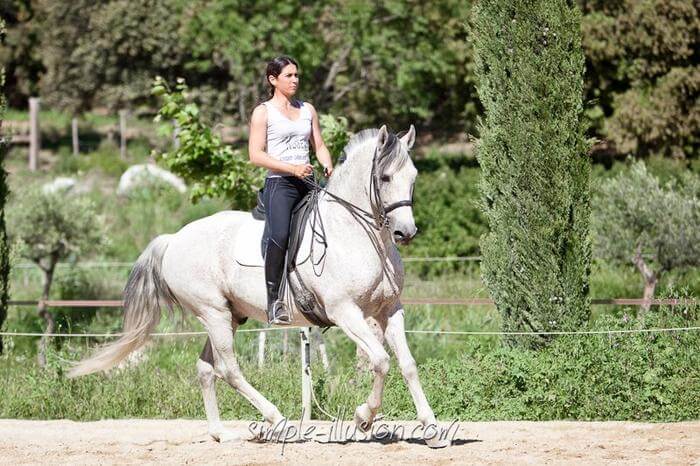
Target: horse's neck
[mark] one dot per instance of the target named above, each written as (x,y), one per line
(352,183)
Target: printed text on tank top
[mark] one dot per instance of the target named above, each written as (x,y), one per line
(287,139)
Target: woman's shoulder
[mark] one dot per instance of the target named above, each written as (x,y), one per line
(259,113)
(307,106)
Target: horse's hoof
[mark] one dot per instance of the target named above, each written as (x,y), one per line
(364,417)
(225,435)
(437,442)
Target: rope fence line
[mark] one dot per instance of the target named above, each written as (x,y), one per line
(29,265)
(407,301)
(434,332)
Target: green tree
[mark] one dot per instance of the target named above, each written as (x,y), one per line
(21,51)
(392,62)
(48,228)
(212,168)
(643,80)
(4,246)
(653,226)
(535,170)
(107,53)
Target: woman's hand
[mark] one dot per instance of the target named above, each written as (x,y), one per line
(328,171)
(302,171)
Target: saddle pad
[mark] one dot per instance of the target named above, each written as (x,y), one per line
(242,252)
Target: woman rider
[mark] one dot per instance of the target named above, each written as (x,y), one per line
(280,131)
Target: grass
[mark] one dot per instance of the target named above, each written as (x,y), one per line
(653,377)
(465,377)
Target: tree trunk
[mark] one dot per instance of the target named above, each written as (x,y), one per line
(46,315)
(650,280)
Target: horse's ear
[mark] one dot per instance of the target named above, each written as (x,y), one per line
(410,137)
(382,138)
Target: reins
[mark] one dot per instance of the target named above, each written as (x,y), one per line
(371,222)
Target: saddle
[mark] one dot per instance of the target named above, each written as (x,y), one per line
(302,296)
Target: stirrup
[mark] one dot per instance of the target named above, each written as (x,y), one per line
(278,314)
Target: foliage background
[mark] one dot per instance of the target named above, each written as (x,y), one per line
(395,62)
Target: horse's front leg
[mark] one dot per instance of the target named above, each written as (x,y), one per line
(350,319)
(395,335)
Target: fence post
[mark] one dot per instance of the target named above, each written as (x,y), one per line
(261,348)
(322,348)
(34,138)
(306,386)
(122,134)
(74,132)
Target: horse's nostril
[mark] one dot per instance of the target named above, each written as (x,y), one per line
(398,233)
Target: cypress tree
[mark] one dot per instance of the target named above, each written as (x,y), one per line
(4,246)
(534,188)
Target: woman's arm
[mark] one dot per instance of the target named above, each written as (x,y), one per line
(322,153)
(257,141)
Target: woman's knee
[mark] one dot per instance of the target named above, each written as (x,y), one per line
(280,240)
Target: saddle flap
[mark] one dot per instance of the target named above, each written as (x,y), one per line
(242,250)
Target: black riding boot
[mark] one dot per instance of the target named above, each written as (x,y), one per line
(277,312)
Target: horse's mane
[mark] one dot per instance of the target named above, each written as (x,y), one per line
(390,160)
(358,140)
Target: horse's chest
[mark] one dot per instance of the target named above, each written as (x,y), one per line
(387,286)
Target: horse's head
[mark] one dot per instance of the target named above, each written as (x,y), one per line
(396,175)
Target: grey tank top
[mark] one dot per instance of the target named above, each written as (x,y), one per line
(287,140)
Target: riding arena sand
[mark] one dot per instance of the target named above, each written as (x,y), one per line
(140,441)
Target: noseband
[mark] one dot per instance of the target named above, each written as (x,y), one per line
(396,205)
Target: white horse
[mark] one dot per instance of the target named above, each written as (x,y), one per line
(212,267)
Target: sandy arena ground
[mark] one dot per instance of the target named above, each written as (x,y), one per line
(138,441)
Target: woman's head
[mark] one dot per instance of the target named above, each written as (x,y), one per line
(282,73)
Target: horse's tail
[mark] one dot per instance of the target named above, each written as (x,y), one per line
(145,292)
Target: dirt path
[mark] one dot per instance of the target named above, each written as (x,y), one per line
(185,442)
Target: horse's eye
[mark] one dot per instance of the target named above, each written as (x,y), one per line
(386,178)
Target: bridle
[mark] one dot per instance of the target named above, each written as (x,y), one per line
(379,210)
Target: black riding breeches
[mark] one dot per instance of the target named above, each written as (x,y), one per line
(280,196)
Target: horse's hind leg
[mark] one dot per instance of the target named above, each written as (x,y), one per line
(207,379)
(221,331)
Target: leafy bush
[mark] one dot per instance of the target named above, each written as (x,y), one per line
(447,215)
(335,134)
(76,284)
(201,159)
(636,376)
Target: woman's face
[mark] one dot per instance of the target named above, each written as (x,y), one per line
(288,80)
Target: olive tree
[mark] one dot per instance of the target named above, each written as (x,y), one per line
(48,228)
(638,220)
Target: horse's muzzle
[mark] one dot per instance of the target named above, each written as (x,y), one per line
(404,238)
